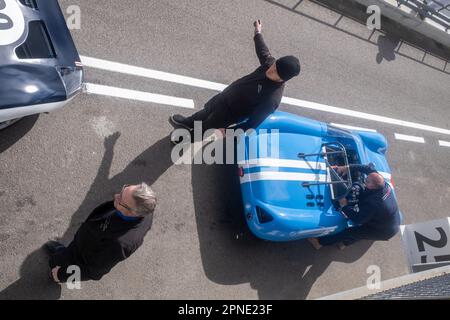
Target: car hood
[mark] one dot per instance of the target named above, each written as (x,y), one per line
(274,182)
(30,85)
(29,81)
(49,12)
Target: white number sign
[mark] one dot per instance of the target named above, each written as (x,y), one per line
(12,22)
(427,242)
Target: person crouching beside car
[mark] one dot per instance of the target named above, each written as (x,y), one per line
(111,234)
(376,215)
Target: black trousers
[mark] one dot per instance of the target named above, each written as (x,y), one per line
(352,235)
(64,258)
(61,258)
(214,115)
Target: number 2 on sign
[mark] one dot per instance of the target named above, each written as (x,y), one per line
(440,243)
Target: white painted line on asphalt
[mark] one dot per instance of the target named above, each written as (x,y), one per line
(444,143)
(138,95)
(362,115)
(409,138)
(344,126)
(148,73)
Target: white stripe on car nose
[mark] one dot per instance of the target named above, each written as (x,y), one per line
(282,163)
(283,176)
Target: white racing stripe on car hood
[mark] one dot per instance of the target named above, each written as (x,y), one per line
(289,176)
(283,176)
(270,162)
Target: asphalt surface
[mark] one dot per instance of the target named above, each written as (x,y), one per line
(54,169)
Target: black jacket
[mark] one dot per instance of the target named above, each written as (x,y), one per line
(103,241)
(378,209)
(254,96)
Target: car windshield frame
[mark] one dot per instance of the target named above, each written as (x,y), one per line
(334,180)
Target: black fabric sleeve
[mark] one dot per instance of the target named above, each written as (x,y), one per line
(262,51)
(364,215)
(258,116)
(101,265)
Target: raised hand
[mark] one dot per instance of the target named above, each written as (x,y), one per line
(258,26)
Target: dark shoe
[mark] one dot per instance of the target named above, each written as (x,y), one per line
(178,121)
(54,247)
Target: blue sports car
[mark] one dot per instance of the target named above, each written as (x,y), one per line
(292,193)
(40,69)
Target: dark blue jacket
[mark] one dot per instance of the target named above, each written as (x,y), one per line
(378,209)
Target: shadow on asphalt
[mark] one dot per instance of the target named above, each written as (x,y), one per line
(387,45)
(34,282)
(11,135)
(275,270)
(232,256)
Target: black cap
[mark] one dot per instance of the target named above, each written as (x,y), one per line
(288,67)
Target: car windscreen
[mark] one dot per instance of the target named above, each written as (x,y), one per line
(338,133)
